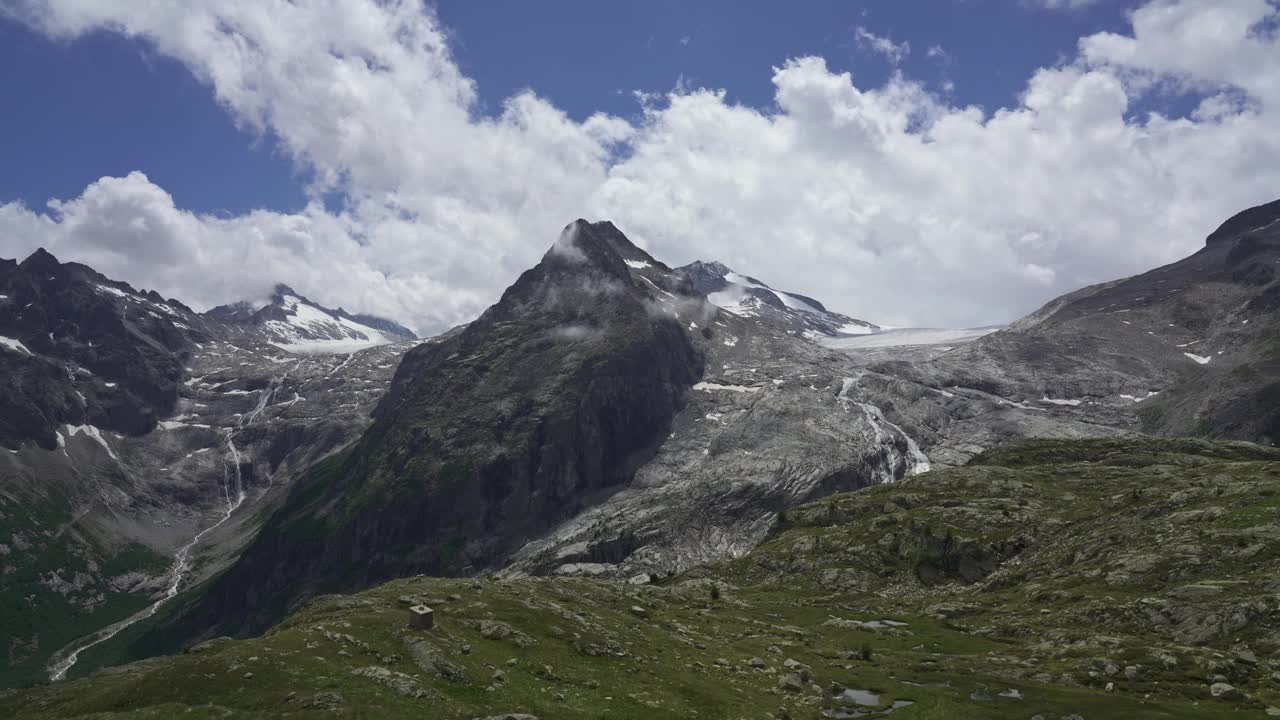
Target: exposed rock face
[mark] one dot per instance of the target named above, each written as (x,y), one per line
(79,349)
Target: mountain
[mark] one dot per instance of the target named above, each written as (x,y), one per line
(601,418)
(145,444)
(81,350)
(745,296)
(291,322)
(1191,348)
(1053,579)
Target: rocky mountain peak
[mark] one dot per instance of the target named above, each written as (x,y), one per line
(41,261)
(292,322)
(281,291)
(746,296)
(599,247)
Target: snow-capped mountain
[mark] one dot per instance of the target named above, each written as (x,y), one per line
(745,296)
(293,323)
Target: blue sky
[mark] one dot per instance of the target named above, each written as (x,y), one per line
(104,104)
(939,163)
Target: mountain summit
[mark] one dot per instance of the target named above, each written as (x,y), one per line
(745,296)
(292,322)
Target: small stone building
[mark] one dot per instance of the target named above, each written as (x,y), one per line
(421,617)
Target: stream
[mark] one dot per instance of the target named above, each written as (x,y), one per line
(234,495)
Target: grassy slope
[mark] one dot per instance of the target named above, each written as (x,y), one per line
(35,619)
(1053,579)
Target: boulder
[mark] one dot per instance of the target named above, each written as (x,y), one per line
(791,682)
(1223,691)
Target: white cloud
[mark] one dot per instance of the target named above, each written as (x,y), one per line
(893,52)
(129,229)
(1060,4)
(888,203)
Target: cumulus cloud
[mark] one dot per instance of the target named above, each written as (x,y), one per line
(888,203)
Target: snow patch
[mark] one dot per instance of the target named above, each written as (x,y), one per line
(855,329)
(93,432)
(1056,401)
(637,264)
(709,387)
(735,303)
(1198,358)
(112,291)
(655,287)
(298,334)
(174,425)
(15,345)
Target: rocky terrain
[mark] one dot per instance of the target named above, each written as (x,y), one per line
(177,430)
(1054,579)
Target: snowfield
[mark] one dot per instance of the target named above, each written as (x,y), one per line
(310,330)
(900,337)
